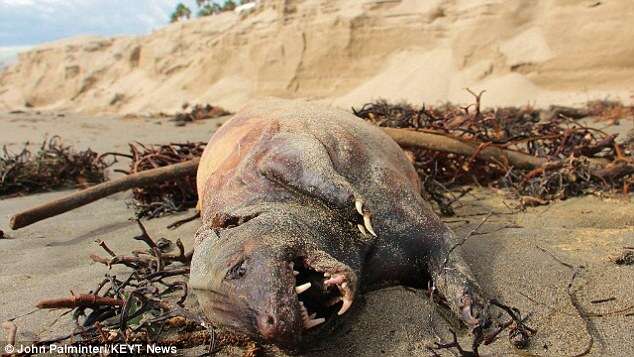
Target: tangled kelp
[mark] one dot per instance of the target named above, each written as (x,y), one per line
(198,112)
(168,196)
(145,304)
(53,166)
(574,151)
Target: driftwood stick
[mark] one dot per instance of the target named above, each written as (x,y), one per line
(439,142)
(96,192)
(79,300)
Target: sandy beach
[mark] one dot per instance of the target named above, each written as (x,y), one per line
(104,93)
(511,257)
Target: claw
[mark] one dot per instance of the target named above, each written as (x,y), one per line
(368,224)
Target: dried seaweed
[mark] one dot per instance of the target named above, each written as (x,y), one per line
(54,166)
(144,305)
(198,112)
(169,196)
(606,110)
(555,134)
(625,258)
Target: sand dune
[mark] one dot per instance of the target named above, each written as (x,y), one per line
(344,52)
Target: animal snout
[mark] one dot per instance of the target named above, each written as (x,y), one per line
(274,329)
(269,326)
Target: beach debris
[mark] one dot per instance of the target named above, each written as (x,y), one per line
(145,304)
(576,159)
(625,258)
(167,196)
(54,166)
(198,112)
(590,328)
(519,334)
(93,193)
(613,111)
(81,300)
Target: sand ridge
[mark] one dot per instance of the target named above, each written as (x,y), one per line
(342,52)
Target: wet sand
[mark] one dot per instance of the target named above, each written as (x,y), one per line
(48,258)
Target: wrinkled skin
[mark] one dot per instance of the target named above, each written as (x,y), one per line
(285,186)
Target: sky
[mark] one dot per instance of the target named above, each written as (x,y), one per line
(30,22)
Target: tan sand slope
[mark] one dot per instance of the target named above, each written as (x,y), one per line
(344,52)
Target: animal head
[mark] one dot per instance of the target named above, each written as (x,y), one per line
(268,284)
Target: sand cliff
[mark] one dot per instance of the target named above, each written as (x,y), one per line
(344,52)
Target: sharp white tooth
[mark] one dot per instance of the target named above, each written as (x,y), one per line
(312,323)
(368,224)
(362,229)
(291,265)
(301,288)
(346,305)
(327,274)
(358,204)
(344,285)
(313,315)
(295,272)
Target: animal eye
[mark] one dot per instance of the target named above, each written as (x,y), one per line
(237,271)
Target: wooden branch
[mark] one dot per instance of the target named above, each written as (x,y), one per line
(439,142)
(91,194)
(79,300)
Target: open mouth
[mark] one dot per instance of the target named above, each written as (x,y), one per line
(321,295)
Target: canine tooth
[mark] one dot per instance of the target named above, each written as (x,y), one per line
(312,323)
(301,288)
(368,224)
(358,204)
(313,315)
(362,229)
(344,285)
(327,274)
(291,265)
(346,305)
(295,272)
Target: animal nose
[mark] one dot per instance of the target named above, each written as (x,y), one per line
(270,328)
(278,331)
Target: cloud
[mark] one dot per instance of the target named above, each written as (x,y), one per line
(25,22)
